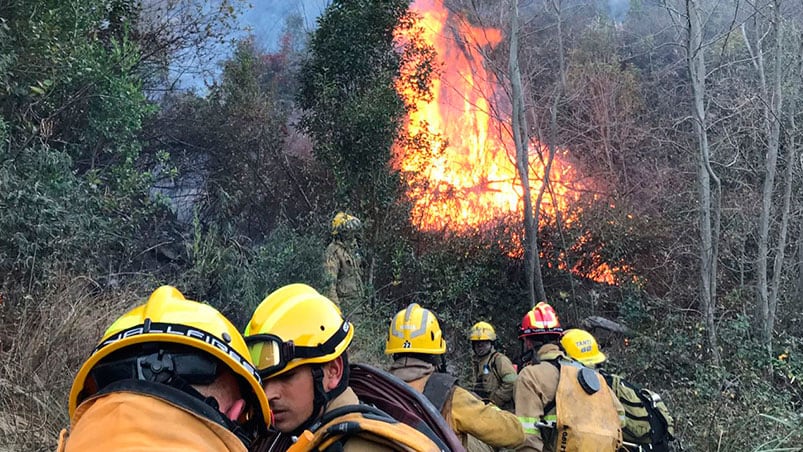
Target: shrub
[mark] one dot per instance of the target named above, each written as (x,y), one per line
(234,275)
(46,335)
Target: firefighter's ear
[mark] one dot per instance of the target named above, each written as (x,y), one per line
(332,373)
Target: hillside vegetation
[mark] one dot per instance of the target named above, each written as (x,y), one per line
(685,141)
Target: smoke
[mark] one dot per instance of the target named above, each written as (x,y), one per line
(265,20)
(618,10)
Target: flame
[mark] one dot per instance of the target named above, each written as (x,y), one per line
(470,177)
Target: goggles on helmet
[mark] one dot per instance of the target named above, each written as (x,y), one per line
(271,354)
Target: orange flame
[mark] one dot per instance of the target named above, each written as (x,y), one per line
(470,177)
(472,180)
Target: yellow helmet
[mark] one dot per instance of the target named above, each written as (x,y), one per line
(581,346)
(415,330)
(293,326)
(343,222)
(483,331)
(167,317)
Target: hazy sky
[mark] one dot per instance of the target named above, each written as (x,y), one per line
(265,20)
(266,17)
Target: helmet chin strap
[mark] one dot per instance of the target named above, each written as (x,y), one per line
(321,397)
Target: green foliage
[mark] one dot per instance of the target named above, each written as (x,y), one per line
(348,92)
(72,111)
(729,408)
(48,217)
(235,275)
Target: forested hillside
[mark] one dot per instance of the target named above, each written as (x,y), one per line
(639,161)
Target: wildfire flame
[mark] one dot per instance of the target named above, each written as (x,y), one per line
(470,178)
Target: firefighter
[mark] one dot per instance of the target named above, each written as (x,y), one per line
(494,374)
(541,389)
(648,424)
(171,374)
(416,342)
(343,263)
(299,339)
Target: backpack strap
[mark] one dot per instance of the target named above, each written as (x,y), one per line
(331,432)
(439,388)
(551,405)
(492,362)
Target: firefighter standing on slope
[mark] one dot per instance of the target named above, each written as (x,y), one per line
(541,406)
(494,374)
(171,374)
(416,342)
(343,263)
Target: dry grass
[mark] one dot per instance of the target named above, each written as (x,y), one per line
(44,338)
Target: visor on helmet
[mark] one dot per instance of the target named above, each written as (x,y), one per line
(271,354)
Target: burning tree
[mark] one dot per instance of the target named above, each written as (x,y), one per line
(476,176)
(353,113)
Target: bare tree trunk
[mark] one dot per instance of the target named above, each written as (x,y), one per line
(552,137)
(800,266)
(709,208)
(520,137)
(791,157)
(771,97)
(783,233)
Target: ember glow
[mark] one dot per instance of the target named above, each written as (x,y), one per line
(470,178)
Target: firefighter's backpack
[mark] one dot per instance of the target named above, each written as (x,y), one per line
(587,419)
(648,423)
(335,428)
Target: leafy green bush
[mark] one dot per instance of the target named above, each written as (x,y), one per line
(235,275)
(71,190)
(49,216)
(728,408)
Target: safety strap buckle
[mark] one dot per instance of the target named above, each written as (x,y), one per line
(156,367)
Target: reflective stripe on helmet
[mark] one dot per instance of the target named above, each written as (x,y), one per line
(185,331)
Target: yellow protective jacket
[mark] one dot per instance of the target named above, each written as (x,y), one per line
(343,269)
(130,421)
(279,442)
(495,379)
(536,387)
(355,444)
(469,417)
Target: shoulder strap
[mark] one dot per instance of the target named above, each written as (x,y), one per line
(438,388)
(492,362)
(335,427)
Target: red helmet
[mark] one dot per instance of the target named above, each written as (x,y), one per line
(542,319)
